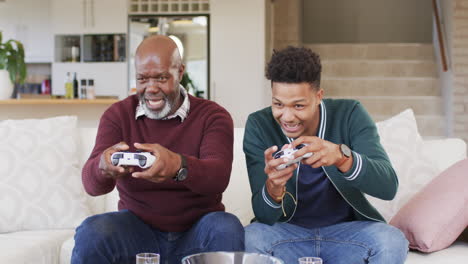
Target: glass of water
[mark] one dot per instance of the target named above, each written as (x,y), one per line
(147,258)
(310,260)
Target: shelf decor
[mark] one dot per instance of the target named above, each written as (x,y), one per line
(152,7)
(12,66)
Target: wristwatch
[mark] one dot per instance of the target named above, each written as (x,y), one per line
(183,172)
(346,152)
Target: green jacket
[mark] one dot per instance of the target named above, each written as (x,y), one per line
(341,122)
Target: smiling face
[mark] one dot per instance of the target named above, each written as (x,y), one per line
(295,107)
(158,73)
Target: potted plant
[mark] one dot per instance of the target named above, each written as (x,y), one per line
(12,66)
(190,86)
(187,83)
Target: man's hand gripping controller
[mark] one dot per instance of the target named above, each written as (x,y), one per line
(289,153)
(141,159)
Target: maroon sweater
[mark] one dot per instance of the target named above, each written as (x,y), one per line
(205,138)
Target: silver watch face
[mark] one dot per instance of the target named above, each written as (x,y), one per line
(345,150)
(182,174)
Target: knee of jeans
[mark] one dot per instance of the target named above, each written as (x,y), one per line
(222,222)
(256,238)
(97,227)
(392,240)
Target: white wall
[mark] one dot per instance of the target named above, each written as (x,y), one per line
(237,42)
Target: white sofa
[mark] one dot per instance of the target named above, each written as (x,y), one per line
(55,246)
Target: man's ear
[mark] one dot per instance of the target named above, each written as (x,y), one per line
(181,72)
(319,95)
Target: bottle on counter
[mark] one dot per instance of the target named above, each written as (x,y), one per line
(75,87)
(68,87)
(83,89)
(45,87)
(90,92)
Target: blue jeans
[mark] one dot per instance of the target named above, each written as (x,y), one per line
(118,236)
(349,242)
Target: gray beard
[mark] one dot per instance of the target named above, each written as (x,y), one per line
(158,115)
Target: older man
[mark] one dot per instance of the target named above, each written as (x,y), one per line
(174,207)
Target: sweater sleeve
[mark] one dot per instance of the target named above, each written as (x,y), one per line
(266,210)
(108,134)
(210,172)
(372,172)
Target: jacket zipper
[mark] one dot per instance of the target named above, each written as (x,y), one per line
(296,194)
(325,171)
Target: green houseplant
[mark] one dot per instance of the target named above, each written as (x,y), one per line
(12,64)
(187,82)
(190,86)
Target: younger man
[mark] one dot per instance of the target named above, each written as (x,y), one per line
(317,207)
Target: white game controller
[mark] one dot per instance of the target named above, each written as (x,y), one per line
(289,153)
(141,159)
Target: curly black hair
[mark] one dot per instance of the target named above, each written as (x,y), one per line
(294,65)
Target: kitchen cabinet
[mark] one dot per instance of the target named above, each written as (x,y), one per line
(89,16)
(108,16)
(78,19)
(67,16)
(110,79)
(29,22)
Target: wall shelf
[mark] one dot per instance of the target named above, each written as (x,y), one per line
(58,102)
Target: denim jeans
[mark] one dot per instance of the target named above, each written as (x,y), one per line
(118,236)
(349,242)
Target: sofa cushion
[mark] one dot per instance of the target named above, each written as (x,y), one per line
(67,250)
(38,247)
(438,214)
(444,152)
(40,182)
(401,140)
(455,254)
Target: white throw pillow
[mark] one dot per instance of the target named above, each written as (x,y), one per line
(40,182)
(401,140)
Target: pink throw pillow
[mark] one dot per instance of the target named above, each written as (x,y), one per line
(435,216)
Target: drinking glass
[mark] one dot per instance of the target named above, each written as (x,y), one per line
(147,258)
(310,260)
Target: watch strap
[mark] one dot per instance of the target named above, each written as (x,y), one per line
(343,159)
(183,163)
(182,172)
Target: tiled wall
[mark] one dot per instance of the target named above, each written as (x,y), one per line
(460,68)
